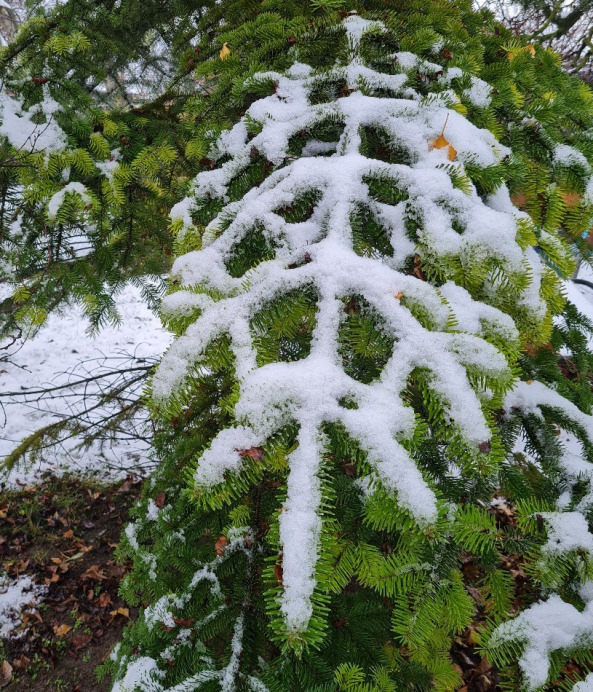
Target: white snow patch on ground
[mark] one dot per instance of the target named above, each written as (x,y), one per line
(17,598)
(582,296)
(53,357)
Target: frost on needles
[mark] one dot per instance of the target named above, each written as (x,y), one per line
(337,251)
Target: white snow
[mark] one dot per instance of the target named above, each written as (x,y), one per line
(142,673)
(17,597)
(53,357)
(479,93)
(567,531)
(569,156)
(22,132)
(56,201)
(545,627)
(529,396)
(585,686)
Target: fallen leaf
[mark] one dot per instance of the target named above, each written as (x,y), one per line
(21,663)
(399,295)
(120,611)
(76,556)
(255,453)
(225,52)
(61,630)
(105,600)
(221,544)
(160,499)
(80,641)
(68,534)
(5,673)
(440,143)
(94,572)
(184,623)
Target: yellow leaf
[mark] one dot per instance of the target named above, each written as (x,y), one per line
(531,50)
(225,52)
(120,611)
(440,143)
(61,630)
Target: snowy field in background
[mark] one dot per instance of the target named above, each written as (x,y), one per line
(59,352)
(63,351)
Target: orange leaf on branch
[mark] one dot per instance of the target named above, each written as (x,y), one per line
(441,143)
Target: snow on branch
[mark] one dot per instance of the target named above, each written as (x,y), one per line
(318,254)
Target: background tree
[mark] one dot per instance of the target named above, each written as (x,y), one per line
(564,26)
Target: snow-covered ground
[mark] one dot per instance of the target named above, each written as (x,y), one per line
(17,598)
(61,352)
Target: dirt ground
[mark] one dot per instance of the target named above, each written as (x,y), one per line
(63,534)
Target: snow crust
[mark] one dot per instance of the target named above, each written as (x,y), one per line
(318,253)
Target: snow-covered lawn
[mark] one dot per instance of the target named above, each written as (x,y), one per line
(61,352)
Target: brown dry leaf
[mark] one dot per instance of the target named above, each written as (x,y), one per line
(68,534)
(187,622)
(94,572)
(519,200)
(61,630)
(5,673)
(159,500)
(221,544)
(21,663)
(80,641)
(255,453)
(399,295)
(571,199)
(225,52)
(105,599)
